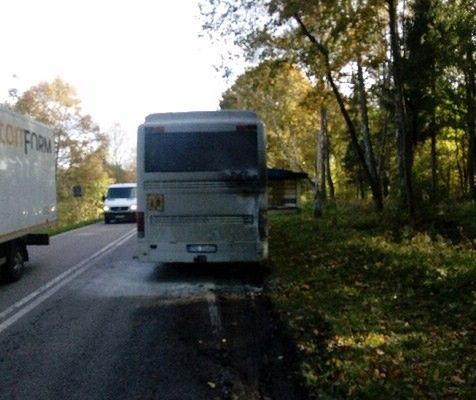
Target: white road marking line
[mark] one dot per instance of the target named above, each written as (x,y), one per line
(28,303)
(214,312)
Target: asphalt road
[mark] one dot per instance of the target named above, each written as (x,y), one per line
(88,321)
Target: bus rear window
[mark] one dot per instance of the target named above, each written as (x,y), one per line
(200,151)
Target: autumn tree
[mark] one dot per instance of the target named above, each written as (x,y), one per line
(323,37)
(401,72)
(121,155)
(80,146)
(457,24)
(276,91)
(56,104)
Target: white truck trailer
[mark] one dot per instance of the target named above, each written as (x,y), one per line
(27,189)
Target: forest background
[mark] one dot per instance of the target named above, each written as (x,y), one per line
(371,98)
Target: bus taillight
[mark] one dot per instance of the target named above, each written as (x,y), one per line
(247,128)
(140,224)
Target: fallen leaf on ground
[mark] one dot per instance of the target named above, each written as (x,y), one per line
(212,385)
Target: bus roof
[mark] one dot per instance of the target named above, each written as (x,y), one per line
(203,117)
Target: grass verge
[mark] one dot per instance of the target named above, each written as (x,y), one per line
(374,317)
(56,230)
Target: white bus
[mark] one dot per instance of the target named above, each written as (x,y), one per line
(201,188)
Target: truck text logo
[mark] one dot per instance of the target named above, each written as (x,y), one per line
(23,138)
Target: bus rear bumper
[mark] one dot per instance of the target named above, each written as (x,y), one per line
(212,253)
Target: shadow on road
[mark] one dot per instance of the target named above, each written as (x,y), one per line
(243,273)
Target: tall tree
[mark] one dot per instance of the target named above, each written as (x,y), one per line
(56,104)
(322,156)
(327,47)
(80,147)
(461,15)
(121,155)
(414,66)
(277,91)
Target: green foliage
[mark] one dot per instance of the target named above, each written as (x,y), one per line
(420,69)
(80,147)
(93,178)
(437,61)
(374,312)
(120,173)
(57,106)
(277,91)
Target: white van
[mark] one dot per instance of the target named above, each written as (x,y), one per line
(120,203)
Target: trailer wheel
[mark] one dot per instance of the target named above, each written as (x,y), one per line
(13,268)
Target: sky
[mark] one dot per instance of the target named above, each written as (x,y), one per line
(126,59)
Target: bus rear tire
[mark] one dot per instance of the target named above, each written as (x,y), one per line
(257,272)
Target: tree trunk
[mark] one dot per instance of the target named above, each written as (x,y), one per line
(318,203)
(330,182)
(362,193)
(374,185)
(320,167)
(383,149)
(326,164)
(448,183)
(434,165)
(323,153)
(463,161)
(404,143)
(461,178)
(470,96)
(382,153)
(364,116)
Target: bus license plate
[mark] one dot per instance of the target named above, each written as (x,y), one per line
(202,248)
